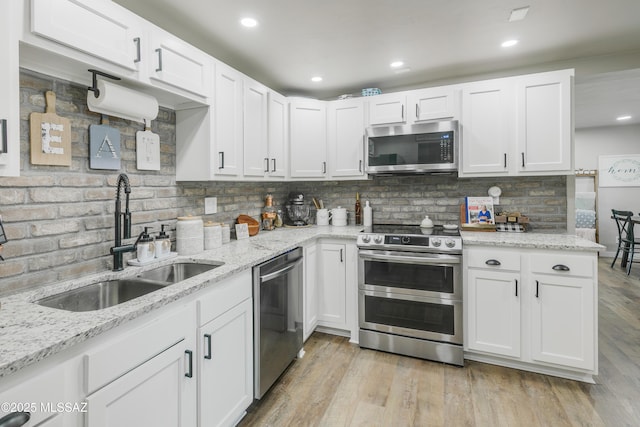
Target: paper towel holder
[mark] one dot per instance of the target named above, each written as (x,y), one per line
(94,87)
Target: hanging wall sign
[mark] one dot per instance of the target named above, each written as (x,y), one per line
(619,171)
(50,136)
(104,147)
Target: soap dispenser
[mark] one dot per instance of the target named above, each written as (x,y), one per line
(163,243)
(145,247)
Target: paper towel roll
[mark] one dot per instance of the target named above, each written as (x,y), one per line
(119,101)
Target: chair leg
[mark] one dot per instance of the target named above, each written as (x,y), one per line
(630,259)
(616,257)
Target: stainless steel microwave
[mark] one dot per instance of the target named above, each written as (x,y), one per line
(422,148)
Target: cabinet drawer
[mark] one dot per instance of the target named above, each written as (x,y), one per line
(579,265)
(482,258)
(224,296)
(132,348)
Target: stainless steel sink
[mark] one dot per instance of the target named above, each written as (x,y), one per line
(177,272)
(100,295)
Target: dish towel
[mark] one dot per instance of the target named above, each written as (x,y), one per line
(585,218)
(586,200)
(586,233)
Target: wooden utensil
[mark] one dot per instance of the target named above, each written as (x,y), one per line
(50,136)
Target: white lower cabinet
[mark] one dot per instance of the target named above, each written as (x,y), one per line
(532,310)
(310,290)
(225,356)
(161,392)
(337,286)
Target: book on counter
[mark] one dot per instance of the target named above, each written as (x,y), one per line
(479,210)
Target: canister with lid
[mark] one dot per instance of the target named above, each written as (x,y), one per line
(226,233)
(189,235)
(212,235)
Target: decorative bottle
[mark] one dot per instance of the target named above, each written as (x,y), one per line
(269,214)
(358,213)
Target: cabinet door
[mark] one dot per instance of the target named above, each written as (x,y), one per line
(177,63)
(544,130)
(308,149)
(226,361)
(277,131)
(310,290)
(433,104)
(563,321)
(99,28)
(493,312)
(256,160)
(486,116)
(157,393)
(9,90)
(345,124)
(332,310)
(387,109)
(228,123)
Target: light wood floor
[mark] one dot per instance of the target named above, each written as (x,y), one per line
(339,384)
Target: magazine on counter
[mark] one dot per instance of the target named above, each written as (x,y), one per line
(480,210)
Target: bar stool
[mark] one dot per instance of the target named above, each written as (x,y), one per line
(626,239)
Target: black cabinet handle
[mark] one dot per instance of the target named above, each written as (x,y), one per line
(137,42)
(560,267)
(522,158)
(505,160)
(417,111)
(159,50)
(516,287)
(324,167)
(207,337)
(189,373)
(221,159)
(492,262)
(15,419)
(273,165)
(537,289)
(341,258)
(266,163)
(360,166)
(3,147)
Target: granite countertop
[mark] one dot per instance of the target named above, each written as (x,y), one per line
(30,332)
(530,240)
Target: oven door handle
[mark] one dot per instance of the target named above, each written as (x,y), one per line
(403,257)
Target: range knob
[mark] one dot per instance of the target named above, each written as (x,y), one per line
(405,240)
(366,238)
(436,242)
(450,243)
(378,239)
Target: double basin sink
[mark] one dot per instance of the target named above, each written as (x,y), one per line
(98,296)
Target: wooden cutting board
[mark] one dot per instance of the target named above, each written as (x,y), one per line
(50,136)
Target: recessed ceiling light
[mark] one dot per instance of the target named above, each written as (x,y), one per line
(249,22)
(397,64)
(518,14)
(316,79)
(509,43)
(622,118)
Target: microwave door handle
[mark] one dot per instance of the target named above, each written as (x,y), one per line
(423,259)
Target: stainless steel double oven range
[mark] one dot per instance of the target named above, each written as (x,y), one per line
(410,291)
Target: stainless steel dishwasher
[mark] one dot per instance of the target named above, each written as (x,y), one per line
(277,301)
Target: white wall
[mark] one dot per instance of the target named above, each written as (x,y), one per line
(593,142)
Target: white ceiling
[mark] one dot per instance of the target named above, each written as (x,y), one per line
(350,43)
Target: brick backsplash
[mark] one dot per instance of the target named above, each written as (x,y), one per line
(59,220)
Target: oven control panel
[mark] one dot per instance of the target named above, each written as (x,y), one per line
(410,242)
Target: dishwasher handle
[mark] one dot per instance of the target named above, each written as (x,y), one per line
(281,272)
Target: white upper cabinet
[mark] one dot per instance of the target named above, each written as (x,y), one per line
(308,139)
(544,132)
(9,92)
(486,115)
(256,157)
(345,127)
(99,28)
(387,109)
(518,126)
(228,121)
(177,63)
(277,134)
(438,103)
